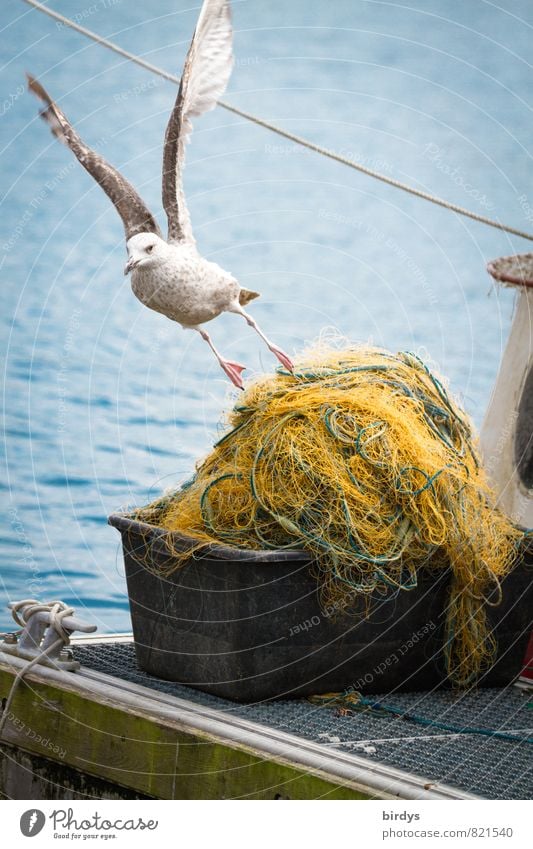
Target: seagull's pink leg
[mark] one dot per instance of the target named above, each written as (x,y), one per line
(284,359)
(233,370)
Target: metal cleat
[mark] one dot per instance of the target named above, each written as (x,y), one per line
(45,633)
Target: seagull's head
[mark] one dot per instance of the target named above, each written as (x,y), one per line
(144,249)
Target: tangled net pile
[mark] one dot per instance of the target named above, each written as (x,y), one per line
(361,458)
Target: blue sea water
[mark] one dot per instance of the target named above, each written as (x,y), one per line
(106,403)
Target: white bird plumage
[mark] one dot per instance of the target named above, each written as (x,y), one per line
(171,276)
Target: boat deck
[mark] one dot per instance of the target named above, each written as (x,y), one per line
(155,738)
(476,763)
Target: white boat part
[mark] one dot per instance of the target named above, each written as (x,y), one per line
(507,431)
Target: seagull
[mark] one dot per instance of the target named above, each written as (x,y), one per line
(170,276)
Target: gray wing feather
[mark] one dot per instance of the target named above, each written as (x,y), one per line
(135,215)
(205,76)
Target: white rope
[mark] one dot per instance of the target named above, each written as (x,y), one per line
(58,610)
(344,160)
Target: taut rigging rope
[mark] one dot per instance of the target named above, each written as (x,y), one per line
(344,160)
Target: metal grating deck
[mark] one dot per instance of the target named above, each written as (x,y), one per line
(490,767)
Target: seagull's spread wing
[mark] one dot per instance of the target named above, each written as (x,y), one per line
(135,215)
(205,77)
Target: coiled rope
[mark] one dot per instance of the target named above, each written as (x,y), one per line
(261,122)
(58,611)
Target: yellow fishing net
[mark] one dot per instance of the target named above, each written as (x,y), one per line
(361,458)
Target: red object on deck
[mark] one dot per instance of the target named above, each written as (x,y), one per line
(527,672)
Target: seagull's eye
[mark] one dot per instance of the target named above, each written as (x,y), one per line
(149,248)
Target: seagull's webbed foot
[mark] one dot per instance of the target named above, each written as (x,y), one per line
(284,359)
(234,371)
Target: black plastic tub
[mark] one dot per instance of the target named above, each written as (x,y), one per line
(248,626)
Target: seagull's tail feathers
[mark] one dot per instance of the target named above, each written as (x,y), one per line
(135,215)
(246,295)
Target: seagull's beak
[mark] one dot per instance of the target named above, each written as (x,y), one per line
(130,265)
